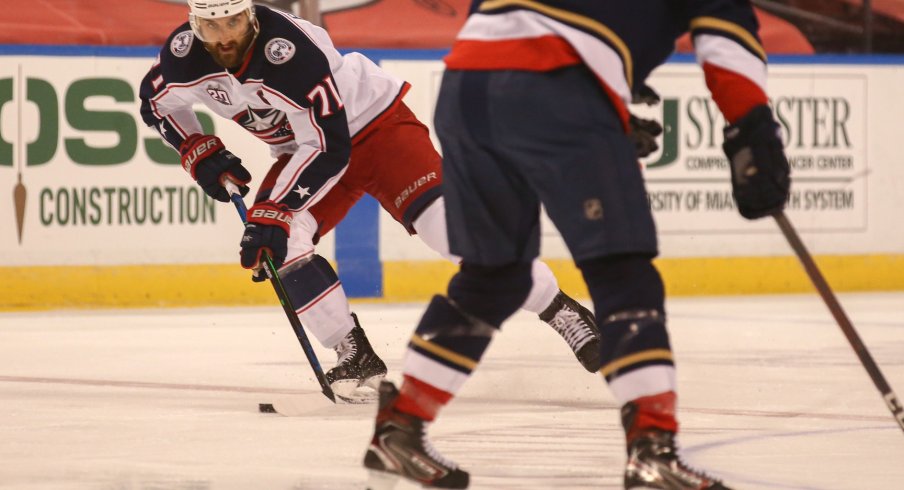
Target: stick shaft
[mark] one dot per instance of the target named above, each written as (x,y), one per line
(287,307)
(825,291)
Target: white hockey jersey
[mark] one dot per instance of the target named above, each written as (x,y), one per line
(294,91)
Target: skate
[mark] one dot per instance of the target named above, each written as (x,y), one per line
(577,326)
(653,463)
(358,370)
(400,449)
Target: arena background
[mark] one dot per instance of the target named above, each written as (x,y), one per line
(96,211)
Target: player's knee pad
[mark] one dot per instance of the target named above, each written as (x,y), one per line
(491,293)
(430,226)
(307,279)
(628,296)
(302,237)
(633,339)
(451,337)
(623,283)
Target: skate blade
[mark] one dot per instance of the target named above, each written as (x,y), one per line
(348,391)
(365,398)
(305,405)
(381,480)
(373,382)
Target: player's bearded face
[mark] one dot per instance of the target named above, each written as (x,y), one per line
(227,38)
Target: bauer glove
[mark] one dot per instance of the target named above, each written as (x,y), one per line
(760,175)
(208,162)
(266,230)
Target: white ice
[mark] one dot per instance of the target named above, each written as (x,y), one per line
(771,397)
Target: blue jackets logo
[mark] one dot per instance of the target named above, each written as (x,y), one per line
(181,44)
(279,50)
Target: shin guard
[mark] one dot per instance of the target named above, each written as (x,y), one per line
(632,340)
(490,293)
(319,300)
(443,352)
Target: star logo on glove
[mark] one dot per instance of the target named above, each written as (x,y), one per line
(302,191)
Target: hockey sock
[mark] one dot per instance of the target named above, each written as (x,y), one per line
(490,293)
(431,229)
(655,412)
(430,226)
(421,399)
(636,353)
(623,282)
(320,302)
(444,350)
(544,289)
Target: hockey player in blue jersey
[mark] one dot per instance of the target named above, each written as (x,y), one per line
(337,127)
(533,110)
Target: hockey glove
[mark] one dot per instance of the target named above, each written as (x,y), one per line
(644,133)
(267,230)
(760,175)
(644,94)
(208,162)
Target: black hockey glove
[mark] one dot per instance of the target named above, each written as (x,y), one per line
(760,175)
(644,133)
(266,229)
(644,94)
(208,162)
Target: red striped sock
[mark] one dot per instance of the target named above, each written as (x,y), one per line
(655,412)
(421,399)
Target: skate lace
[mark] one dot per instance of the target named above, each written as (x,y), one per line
(699,475)
(346,349)
(433,453)
(670,452)
(571,327)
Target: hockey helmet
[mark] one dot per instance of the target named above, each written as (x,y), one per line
(214,9)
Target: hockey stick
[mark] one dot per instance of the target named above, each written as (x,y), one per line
(891,400)
(284,300)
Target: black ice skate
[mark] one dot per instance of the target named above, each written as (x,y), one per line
(357,367)
(577,326)
(653,463)
(400,448)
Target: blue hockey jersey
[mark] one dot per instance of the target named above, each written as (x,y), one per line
(621,42)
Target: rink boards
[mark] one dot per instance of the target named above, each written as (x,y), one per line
(99,213)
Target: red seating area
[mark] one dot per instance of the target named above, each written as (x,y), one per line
(380,24)
(889,8)
(778,37)
(90,22)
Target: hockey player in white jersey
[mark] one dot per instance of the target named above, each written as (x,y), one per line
(338,128)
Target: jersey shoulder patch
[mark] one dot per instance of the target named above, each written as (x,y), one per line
(183,57)
(181,43)
(279,50)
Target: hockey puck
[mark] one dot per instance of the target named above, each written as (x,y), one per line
(266,408)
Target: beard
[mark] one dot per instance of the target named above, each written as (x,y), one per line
(230,54)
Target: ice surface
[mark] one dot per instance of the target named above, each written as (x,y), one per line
(771,397)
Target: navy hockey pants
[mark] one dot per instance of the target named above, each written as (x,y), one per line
(513,140)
